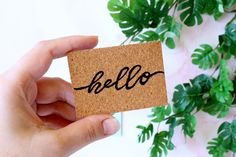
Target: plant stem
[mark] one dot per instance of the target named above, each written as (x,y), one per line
(221,57)
(173,115)
(124,41)
(231,20)
(215,70)
(134,36)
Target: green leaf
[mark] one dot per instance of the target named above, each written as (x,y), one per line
(193,95)
(172,124)
(223,87)
(229,3)
(186,98)
(131,23)
(227,41)
(146,37)
(161,144)
(115,7)
(221,100)
(230,31)
(133,16)
(188,124)
(191,11)
(227,131)
(216,148)
(146,133)
(219,9)
(159,113)
(155,10)
(168,30)
(227,46)
(205,82)
(169,2)
(209,7)
(217,108)
(205,57)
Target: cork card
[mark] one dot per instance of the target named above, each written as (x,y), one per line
(108,80)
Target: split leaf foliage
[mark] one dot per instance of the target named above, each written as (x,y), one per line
(155,20)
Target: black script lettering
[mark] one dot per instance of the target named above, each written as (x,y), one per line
(97,87)
(121,74)
(131,75)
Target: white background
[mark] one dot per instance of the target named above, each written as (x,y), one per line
(24,23)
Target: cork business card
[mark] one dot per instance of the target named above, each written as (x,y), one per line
(115,79)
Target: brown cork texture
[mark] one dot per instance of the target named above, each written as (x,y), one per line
(84,65)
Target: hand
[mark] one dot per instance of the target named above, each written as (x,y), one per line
(37,114)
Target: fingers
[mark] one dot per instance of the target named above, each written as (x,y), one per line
(58,108)
(55,97)
(87,130)
(54,89)
(54,121)
(35,63)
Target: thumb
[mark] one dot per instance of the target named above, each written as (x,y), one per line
(85,131)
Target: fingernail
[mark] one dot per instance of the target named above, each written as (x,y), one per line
(110,126)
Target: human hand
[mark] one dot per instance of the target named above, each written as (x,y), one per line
(37,114)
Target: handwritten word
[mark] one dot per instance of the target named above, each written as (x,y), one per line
(98,87)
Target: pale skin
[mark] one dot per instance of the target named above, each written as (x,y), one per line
(37,114)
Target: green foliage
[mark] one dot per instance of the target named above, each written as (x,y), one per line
(221,97)
(227,41)
(168,29)
(217,7)
(146,133)
(190,11)
(134,16)
(188,122)
(151,20)
(216,148)
(219,10)
(205,57)
(172,122)
(205,82)
(217,108)
(131,22)
(229,3)
(161,144)
(209,7)
(139,18)
(190,96)
(225,142)
(227,131)
(222,88)
(116,6)
(186,97)
(146,37)
(159,113)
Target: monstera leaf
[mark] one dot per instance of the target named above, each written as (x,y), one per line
(168,30)
(135,15)
(146,37)
(146,132)
(205,57)
(191,11)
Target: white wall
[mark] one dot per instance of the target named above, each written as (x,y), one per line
(24,23)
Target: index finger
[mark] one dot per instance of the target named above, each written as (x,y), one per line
(36,63)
